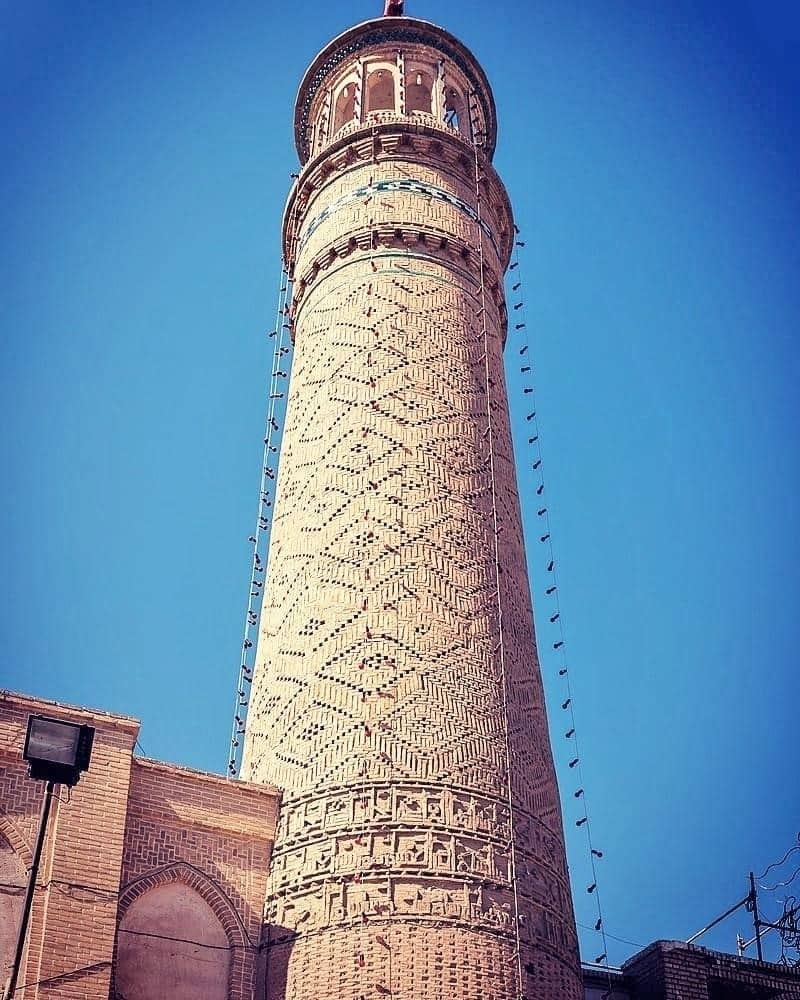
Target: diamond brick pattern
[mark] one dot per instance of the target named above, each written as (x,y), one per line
(396,682)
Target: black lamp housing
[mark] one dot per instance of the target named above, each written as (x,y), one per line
(56,750)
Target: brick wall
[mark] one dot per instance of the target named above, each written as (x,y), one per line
(128,827)
(73,920)
(673,970)
(214,835)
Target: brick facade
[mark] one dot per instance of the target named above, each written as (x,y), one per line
(73,920)
(129,827)
(673,970)
(397,698)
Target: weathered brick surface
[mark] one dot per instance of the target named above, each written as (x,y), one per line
(129,826)
(212,834)
(397,699)
(673,970)
(73,920)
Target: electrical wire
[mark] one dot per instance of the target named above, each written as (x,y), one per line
(65,887)
(777,864)
(613,937)
(178,940)
(62,975)
(781,885)
(261,533)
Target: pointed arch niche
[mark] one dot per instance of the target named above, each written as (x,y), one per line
(380,87)
(419,88)
(344,105)
(175,938)
(455,111)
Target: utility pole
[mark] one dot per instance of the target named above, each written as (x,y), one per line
(756,920)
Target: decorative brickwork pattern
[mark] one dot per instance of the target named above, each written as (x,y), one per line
(73,920)
(207,833)
(129,830)
(396,681)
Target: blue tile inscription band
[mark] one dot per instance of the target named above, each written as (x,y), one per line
(388,187)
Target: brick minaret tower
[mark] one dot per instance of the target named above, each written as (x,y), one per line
(397,698)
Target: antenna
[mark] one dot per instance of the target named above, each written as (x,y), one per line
(787,923)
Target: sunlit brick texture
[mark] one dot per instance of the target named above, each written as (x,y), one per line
(128,834)
(396,673)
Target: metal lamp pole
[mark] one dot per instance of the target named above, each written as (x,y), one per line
(58,752)
(44,815)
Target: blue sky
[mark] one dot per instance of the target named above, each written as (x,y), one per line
(651,154)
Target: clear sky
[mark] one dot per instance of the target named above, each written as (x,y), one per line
(651,154)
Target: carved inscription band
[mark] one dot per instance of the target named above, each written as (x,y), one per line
(389,187)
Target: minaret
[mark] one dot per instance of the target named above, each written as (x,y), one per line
(397,698)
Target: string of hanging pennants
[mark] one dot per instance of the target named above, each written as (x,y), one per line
(281,340)
(279,336)
(363,828)
(555,628)
(496,528)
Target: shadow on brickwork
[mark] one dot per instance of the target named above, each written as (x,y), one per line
(279,942)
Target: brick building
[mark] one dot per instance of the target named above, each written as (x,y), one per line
(673,970)
(153,881)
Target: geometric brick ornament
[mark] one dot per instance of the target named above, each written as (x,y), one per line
(396,697)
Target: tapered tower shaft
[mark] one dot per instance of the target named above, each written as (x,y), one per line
(397,698)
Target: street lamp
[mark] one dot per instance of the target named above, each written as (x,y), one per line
(57,752)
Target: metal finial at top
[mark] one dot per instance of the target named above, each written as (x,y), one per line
(393,8)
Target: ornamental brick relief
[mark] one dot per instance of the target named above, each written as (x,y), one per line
(396,697)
